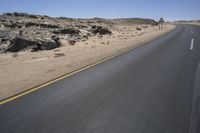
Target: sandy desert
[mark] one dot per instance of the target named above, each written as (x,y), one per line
(56,46)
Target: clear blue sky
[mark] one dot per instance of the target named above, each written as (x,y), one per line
(169,9)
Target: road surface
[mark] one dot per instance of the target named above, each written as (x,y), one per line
(151,89)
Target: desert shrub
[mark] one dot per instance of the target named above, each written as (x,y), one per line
(59,55)
(138,28)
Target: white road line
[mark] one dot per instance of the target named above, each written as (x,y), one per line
(192,44)
(192,32)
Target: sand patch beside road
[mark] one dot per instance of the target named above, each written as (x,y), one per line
(23,70)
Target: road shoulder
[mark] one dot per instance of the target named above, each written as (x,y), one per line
(22,74)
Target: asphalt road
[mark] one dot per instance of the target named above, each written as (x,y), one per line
(154,88)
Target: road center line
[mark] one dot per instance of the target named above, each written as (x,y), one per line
(192,32)
(192,44)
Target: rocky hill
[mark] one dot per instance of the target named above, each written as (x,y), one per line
(22,31)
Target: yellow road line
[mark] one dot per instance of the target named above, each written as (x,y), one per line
(71,73)
(60,78)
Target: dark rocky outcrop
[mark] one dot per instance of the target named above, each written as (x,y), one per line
(31,24)
(44,46)
(4,34)
(16,14)
(19,44)
(81,26)
(13,25)
(69,31)
(22,31)
(100,30)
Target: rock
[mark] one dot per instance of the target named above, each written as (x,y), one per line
(20,33)
(59,55)
(4,45)
(100,30)
(48,26)
(19,44)
(138,28)
(2,27)
(65,18)
(55,38)
(72,42)
(37,46)
(70,31)
(51,45)
(59,41)
(16,14)
(85,37)
(31,24)
(96,27)
(56,32)
(81,26)
(26,15)
(11,25)
(7,14)
(5,36)
(44,46)
(41,25)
